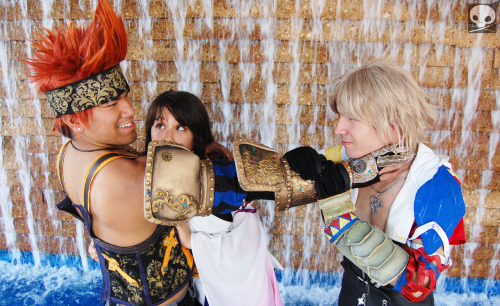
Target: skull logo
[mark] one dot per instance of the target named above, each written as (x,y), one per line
(482,18)
(482,15)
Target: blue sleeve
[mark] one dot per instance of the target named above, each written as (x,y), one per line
(440,200)
(228,195)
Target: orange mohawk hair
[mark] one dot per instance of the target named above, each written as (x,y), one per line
(68,55)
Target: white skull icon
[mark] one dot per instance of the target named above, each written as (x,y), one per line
(482,15)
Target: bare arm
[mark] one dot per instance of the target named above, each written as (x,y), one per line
(184,235)
(93,251)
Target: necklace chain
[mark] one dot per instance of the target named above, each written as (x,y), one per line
(93,150)
(388,188)
(375,201)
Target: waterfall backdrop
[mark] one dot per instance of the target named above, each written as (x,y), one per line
(263,68)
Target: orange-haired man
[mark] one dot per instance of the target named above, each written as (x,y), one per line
(142,263)
(78,70)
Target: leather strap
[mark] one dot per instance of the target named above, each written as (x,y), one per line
(60,158)
(94,168)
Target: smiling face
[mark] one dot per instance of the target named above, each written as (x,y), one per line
(112,123)
(166,127)
(358,138)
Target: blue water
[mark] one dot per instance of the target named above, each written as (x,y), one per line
(62,281)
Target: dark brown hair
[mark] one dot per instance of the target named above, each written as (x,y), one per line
(189,111)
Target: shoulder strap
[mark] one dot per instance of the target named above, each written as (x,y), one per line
(96,166)
(60,159)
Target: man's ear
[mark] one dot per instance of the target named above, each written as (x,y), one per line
(70,122)
(394,131)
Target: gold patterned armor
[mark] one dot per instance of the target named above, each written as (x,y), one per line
(178,185)
(260,168)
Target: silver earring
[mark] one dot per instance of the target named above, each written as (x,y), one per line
(78,129)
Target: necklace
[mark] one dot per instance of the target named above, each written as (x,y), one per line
(375,202)
(94,150)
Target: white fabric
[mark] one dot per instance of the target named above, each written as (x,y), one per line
(401,215)
(445,260)
(233,262)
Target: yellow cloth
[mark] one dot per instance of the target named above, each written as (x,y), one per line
(334,153)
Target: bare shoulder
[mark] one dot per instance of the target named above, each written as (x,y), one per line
(125,169)
(120,179)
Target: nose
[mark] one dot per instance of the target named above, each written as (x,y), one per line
(340,127)
(169,135)
(127,107)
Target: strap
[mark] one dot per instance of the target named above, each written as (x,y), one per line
(60,159)
(96,166)
(439,230)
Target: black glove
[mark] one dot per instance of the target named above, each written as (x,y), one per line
(306,162)
(334,179)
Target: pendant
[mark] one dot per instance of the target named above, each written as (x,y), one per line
(362,300)
(375,203)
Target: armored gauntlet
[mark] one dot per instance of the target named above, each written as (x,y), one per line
(177,185)
(261,169)
(369,248)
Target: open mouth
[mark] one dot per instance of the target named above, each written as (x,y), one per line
(126,125)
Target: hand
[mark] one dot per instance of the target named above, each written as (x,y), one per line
(184,235)
(334,180)
(390,172)
(93,251)
(215,150)
(305,161)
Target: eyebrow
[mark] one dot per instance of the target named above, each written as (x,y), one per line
(159,116)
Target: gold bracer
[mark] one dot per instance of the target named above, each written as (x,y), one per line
(260,168)
(178,185)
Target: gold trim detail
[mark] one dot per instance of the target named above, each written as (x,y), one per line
(184,204)
(88,93)
(177,191)
(260,168)
(115,266)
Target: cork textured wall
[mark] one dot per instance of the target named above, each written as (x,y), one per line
(263,69)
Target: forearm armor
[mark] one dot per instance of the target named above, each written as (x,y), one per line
(368,248)
(262,169)
(178,185)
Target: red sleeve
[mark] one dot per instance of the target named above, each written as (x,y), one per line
(458,236)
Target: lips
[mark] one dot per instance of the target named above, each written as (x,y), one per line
(345,142)
(127,125)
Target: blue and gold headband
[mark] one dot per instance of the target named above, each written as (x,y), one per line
(87,93)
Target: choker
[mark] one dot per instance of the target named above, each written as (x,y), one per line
(366,168)
(93,150)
